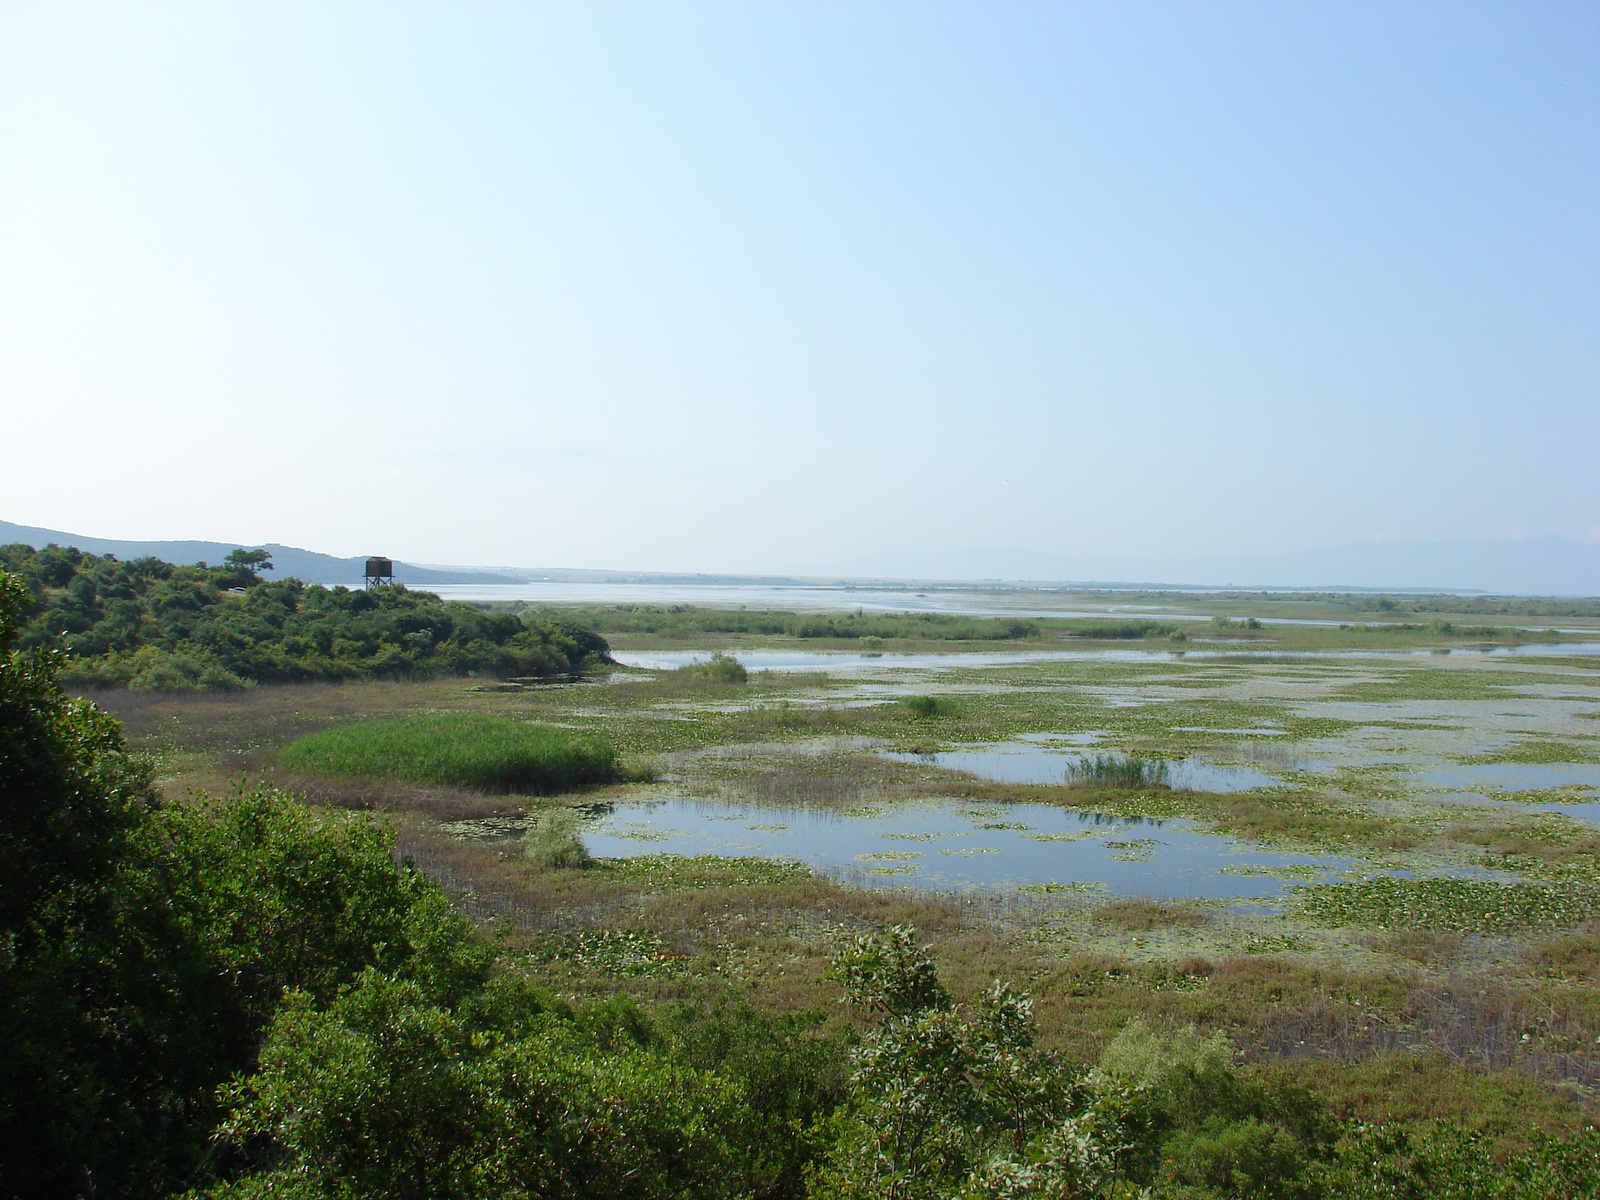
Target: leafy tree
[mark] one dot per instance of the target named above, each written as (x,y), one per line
(250,562)
(145,947)
(935,1093)
(383,1093)
(153,626)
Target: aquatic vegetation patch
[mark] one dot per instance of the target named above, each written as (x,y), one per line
(1138,915)
(614,952)
(638,831)
(1274,943)
(1113,770)
(928,706)
(1292,871)
(1539,751)
(1134,850)
(694,871)
(1091,888)
(1446,905)
(492,754)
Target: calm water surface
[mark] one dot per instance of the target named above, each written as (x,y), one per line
(958,846)
(844,661)
(1032,762)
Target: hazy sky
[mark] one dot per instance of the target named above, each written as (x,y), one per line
(765,286)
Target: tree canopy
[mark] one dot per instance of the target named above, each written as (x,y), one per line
(154,626)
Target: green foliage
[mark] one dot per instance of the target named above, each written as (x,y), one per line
(719,668)
(789,1073)
(1210,1132)
(940,1101)
(874,629)
(1447,905)
(146,947)
(889,973)
(673,872)
(385,1093)
(928,706)
(1443,1162)
(555,841)
(1113,770)
(945,1103)
(153,626)
(494,754)
(69,794)
(252,561)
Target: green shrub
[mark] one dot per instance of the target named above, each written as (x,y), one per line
(388,1093)
(720,668)
(927,706)
(554,841)
(493,754)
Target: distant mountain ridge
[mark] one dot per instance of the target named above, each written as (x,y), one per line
(286,560)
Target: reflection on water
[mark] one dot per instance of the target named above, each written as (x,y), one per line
(1029,762)
(959,845)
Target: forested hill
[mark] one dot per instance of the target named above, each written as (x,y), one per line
(154,626)
(289,560)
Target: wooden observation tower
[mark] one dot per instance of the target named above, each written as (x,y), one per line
(379,571)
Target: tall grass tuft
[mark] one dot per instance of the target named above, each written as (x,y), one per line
(927,706)
(492,754)
(719,668)
(1112,770)
(554,841)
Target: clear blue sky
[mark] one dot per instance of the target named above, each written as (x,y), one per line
(787,286)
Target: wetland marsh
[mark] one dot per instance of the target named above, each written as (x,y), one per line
(1355,848)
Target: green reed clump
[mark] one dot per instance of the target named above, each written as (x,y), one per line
(928,706)
(555,841)
(492,754)
(1112,770)
(719,668)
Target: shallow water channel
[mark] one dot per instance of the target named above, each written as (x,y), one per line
(1029,761)
(960,846)
(866,660)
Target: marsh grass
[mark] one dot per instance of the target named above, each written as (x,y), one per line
(1302,1006)
(492,754)
(1574,956)
(1114,770)
(555,841)
(1427,947)
(720,669)
(1141,916)
(1446,905)
(928,706)
(398,796)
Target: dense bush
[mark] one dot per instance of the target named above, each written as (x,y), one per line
(493,754)
(146,947)
(152,626)
(719,668)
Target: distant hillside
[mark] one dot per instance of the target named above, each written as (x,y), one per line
(287,561)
